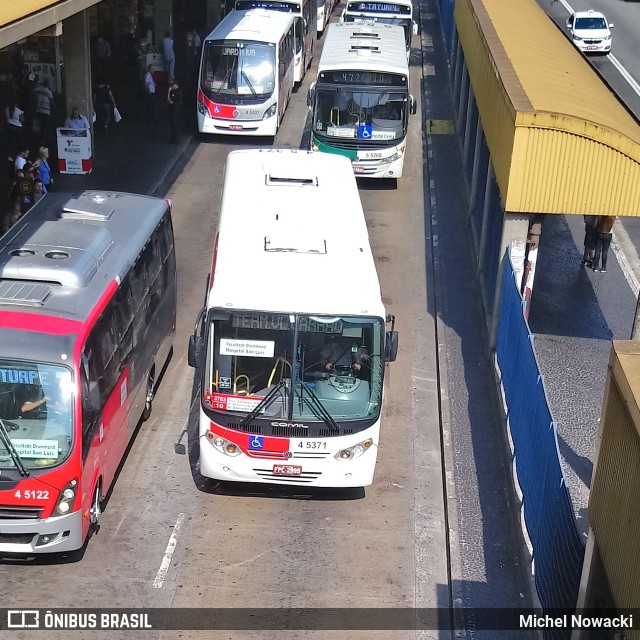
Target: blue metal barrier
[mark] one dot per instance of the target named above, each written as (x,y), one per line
(549,518)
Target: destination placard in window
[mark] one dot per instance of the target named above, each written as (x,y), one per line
(36,448)
(252,348)
(379,7)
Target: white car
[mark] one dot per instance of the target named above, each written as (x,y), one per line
(590,32)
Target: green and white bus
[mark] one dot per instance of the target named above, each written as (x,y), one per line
(360,101)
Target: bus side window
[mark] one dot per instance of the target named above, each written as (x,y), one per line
(108,350)
(138,279)
(123,317)
(168,232)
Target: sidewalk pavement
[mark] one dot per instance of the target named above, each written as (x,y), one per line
(575,314)
(135,155)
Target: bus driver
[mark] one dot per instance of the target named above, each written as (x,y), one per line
(342,355)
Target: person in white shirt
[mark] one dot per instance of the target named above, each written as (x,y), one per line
(14,116)
(169,57)
(76,121)
(150,95)
(21,160)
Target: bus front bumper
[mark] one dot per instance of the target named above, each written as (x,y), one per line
(266,127)
(52,535)
(330,473)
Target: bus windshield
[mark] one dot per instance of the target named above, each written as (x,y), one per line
(405,23)
(374,114)
(234,69)
(35,408)
(336,365)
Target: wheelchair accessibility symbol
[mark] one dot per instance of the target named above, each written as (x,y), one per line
(256,442)
(365,132)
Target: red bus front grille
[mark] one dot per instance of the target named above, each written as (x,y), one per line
(19,513)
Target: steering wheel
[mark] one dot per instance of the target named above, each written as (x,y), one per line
(342,370)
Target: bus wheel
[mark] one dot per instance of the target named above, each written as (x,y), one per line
(96,510)
(148,403)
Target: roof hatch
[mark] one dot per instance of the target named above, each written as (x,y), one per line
(287,243)
(88,207)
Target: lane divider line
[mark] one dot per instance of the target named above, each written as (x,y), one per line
(171,547)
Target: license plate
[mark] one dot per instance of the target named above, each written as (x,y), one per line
(287,470)
(591,48)
(235,127)
(358,169)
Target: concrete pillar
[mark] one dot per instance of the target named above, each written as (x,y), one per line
(515,229)
(77,64)
(215,10)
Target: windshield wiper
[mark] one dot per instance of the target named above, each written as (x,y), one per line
(8,445)
(320,408)
(263,404)
(227,77)
(246,79)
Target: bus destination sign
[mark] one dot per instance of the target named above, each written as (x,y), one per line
(365,78)
(379,7)
(273,5)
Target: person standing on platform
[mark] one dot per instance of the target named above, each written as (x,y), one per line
(44,105)
(169,57)
(603,242)
(589,240)
(103,53)
(174,100)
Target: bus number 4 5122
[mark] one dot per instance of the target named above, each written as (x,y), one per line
(29,494)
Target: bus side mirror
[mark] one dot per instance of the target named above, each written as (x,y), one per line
(415,28)
(196,341)
(194,355)
(413,105)
(311,95)
(341,20)
(391,346)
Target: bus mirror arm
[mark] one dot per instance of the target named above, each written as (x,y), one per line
(413,105)
(415,27)
(311,95)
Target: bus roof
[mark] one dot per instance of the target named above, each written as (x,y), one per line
(61,256)
(369,47)
(258,25)
(292,237)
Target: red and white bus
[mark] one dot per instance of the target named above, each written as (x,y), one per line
(87,320)
(304,12)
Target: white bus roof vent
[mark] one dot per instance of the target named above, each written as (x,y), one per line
(291,180)
(87,207)
(24,293)
(282,243)
(365,33)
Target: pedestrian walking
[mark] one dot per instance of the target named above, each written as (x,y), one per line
(104,104)
(174,100)
(150,95)
(169,57)
(76,120)
(603,242)
(103,53)
(589,240)
(44,105)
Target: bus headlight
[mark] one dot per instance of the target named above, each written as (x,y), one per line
(67,497)
(223,445)
(314,145)
(202,109)
(351,453)
(270,112)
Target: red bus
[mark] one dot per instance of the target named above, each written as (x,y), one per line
(87,321)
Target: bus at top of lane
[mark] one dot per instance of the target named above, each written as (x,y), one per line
(360,101)
(246,73)
(291,345)
(304,12)
(397,12)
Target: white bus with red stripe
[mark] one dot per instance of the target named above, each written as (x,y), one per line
(291,346)
(87,319)
(247,73)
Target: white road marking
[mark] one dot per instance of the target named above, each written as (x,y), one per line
(171,547)
(621,245)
